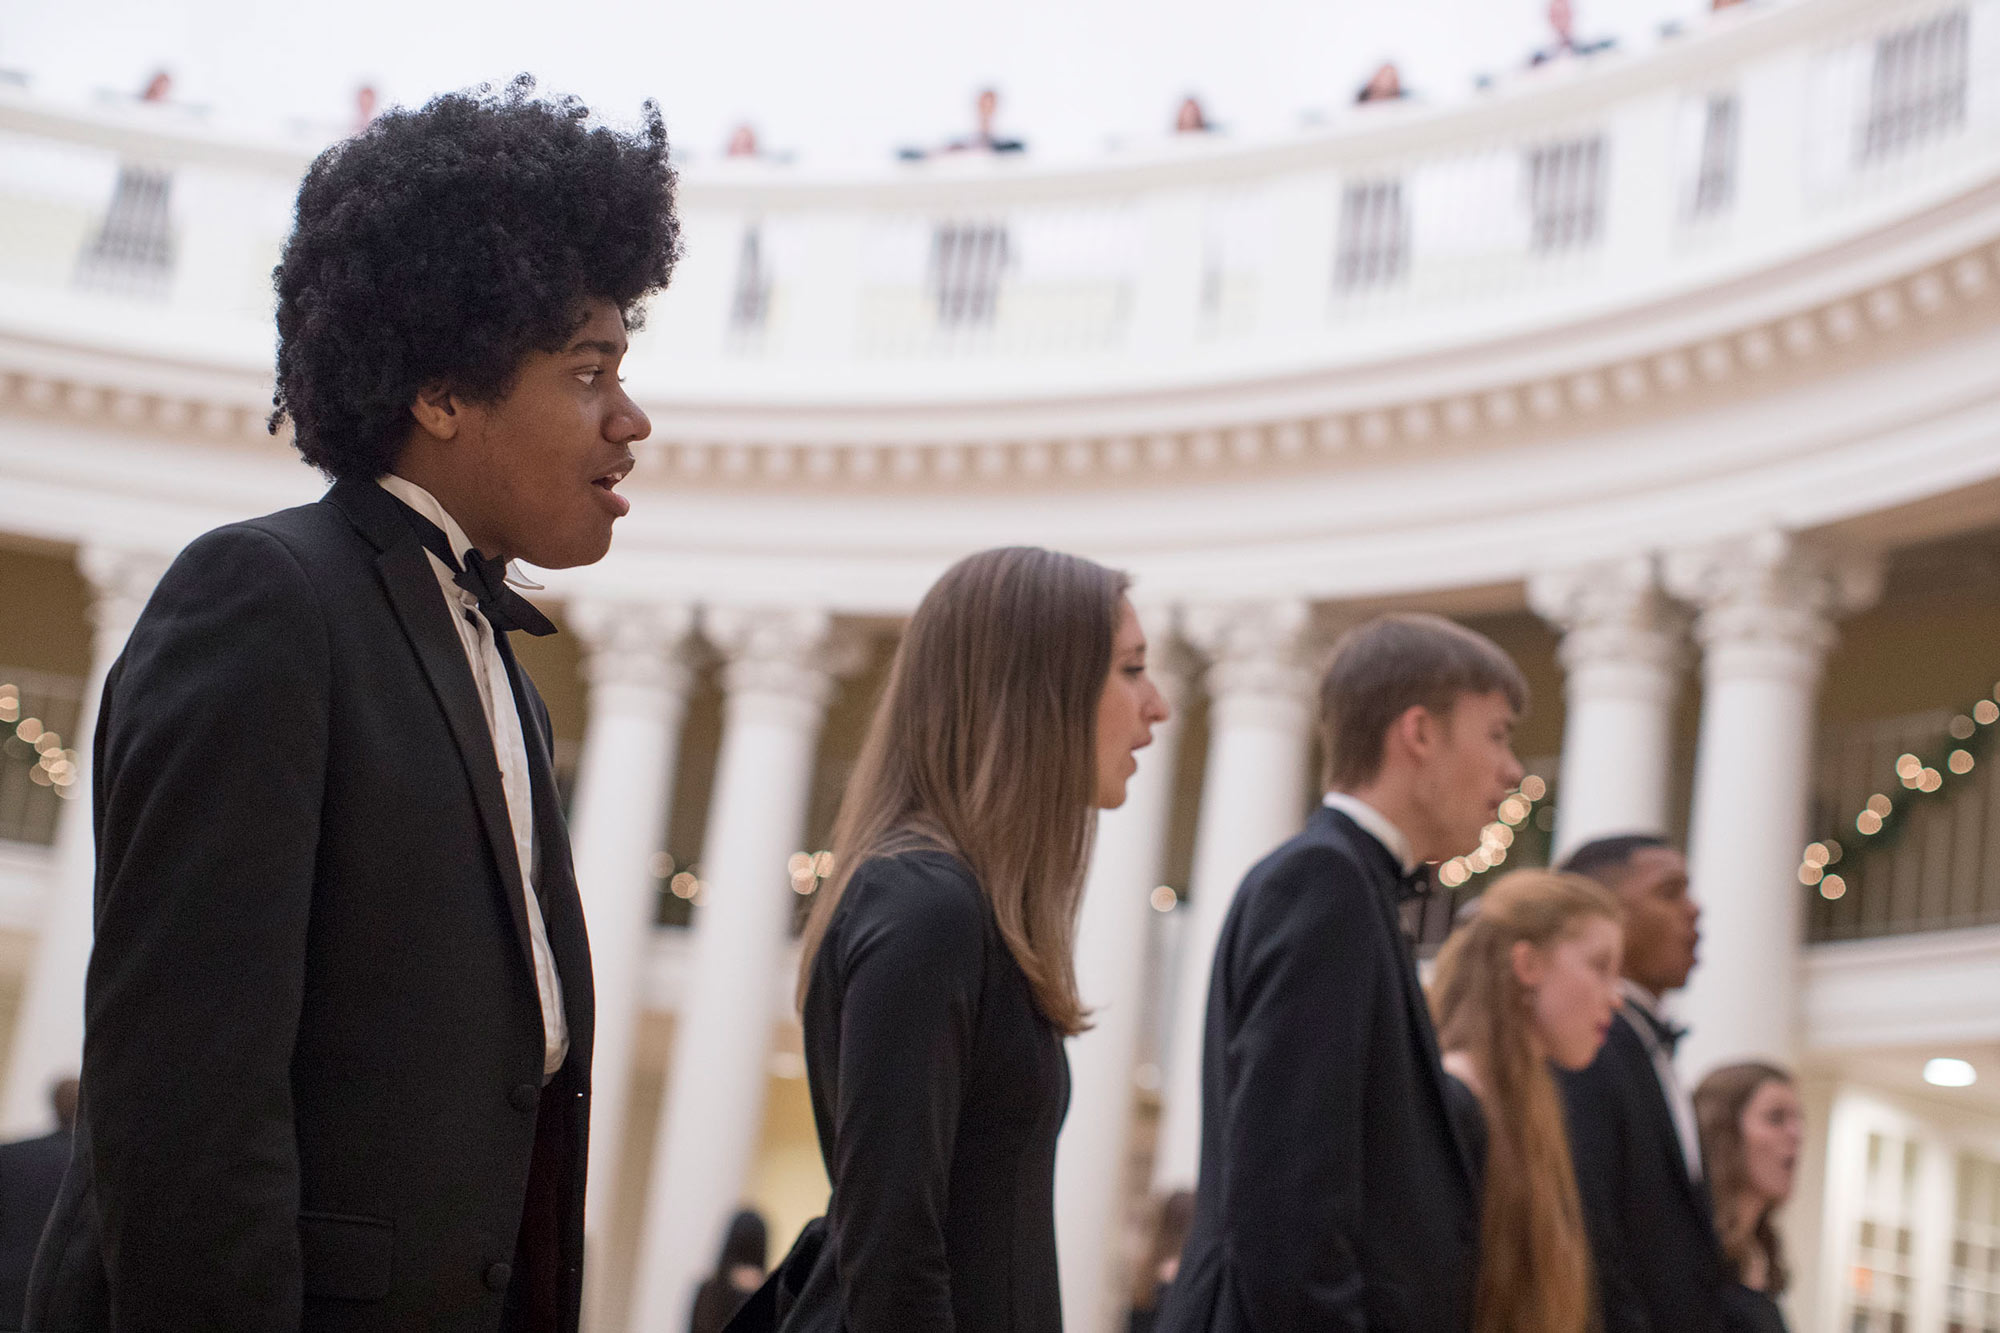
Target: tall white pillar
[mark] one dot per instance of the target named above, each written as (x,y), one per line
(636,659)
(48,1034)
(1623,656)
(1125,866)
(779,678)
(1253,788)
(1765,621)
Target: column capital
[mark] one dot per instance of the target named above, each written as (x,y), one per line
(793,653)
(1254,649)
(121,580)
(647,645)
(1612,613)
(1766,602)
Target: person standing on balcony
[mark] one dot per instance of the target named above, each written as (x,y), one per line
(986,136)
(1631,1126)
(1751,1132)
(936,979)
(336,1065)
(1335,1189)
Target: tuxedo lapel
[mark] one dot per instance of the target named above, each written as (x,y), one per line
(1383,874)
(1663,1114)
(419,604)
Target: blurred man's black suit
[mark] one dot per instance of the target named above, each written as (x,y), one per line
(1334,1192)
(31,1172)
(1652,1235)
(313,1078)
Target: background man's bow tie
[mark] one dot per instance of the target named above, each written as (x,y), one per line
(1667,1034)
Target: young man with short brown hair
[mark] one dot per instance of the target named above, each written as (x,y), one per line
(1334,1191)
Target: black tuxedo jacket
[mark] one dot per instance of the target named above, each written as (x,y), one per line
(1334,1192)
(31,1172)
(312,1073)
(1652,1235)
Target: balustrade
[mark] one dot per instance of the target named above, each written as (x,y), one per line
(1622,179)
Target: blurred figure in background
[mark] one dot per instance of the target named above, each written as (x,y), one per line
(1562,26)
(1163,1259)
(158,88)
(986,137)
(742,141)
(1190,118)
(1384,85)
(1752,1129)
(1529,980)
(31,1172)
(1631,1127)
(365,103)
(739,1271)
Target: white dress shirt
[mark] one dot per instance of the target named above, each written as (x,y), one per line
(1678,1101)
(503,722)
(1377,825)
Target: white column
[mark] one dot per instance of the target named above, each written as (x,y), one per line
(636,659)
(1125,867)
(1623,655)
(48,1034)
(1766,606)
(1253,789)
(779,678)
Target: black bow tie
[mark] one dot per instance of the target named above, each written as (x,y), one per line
(485,579)
(1414,883)
(1668,1035)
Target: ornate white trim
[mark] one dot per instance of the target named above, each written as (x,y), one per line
(1668,378)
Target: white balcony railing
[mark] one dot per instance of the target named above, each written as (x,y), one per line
(1569,193)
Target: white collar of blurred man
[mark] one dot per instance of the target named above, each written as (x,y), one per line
(1377,825)
(1636,994)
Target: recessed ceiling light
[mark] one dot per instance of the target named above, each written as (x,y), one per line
(1950,1073)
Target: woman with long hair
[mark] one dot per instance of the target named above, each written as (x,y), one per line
(937,982)
(1751,1130)
(1530,978)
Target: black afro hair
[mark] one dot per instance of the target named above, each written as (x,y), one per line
(441,246)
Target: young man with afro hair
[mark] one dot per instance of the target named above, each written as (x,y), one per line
(336,1068)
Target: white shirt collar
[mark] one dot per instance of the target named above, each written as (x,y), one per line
(421,500)
(1376,825)
(1636,994)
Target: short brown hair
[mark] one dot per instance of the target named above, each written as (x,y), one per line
(1386,666)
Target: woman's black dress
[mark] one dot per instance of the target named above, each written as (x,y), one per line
(938,1089)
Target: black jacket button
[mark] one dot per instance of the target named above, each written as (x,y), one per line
(497,1276)
(525,1097)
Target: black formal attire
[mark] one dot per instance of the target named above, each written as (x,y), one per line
(1747,1310)
(938,1089)
(1334,1192)
(31,1172)
(315,1089)
(1652,1235)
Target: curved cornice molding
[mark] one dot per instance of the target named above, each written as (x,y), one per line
(1455,407)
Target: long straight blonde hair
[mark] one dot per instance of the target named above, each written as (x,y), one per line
(1534,1262)
(984,744)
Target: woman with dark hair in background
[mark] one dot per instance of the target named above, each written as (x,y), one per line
(1751,1131)
(1530,979)
(1171,1223)
(738,1272)
(937,980)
